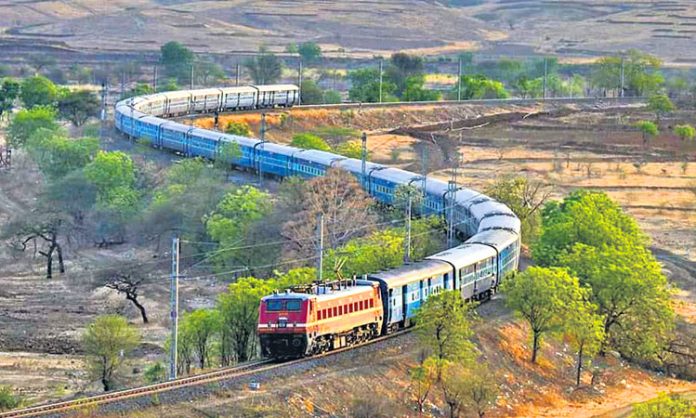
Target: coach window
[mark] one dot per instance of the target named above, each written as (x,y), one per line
(335,311)
(372,303)
(355,306)
(319,317)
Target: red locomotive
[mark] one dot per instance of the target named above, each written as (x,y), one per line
(313,319)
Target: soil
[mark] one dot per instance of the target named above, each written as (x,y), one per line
(580,30)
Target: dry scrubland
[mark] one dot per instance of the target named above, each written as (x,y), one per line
(360,28)
(538,146)
(569,149)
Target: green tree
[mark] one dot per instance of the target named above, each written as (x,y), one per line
(586,217)
(113,174)
(476,87)
(107,342)
(332,97)
(81,74)
(238,128)
(468,386)
(155,373)
(140,89)
(585,330)
(38,91)
(207,73)
(415,92)
(310,52)
(203,325)
(239,312)
(309,141)
(311,93)
(170,85)
(350,149)
(660,104)
(78,106)
(541,296)
(265,68)
(685,132)
(28,121)
(423,378)
(228,154)
(525,198)
(8,400)
(665,406)
(641,73)
(443,326)
(365,86)
(177,61)
(232,219)
(9,91)
(190,191)
(401,67)
(57,155)
(648,130)
(631,294)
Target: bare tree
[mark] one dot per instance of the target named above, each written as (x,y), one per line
(128,281)
(346,210)
(525,197)
(44,232)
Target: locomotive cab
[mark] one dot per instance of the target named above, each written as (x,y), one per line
(282,324)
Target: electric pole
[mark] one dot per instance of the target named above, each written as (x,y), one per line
(320,248)
(407,255)
(623,80)
(546,70)
(192,64)
(381,70)
(239,71)
(154,79)
(123,82)
(459,81)
(363,160)
(102,115)
(451,189)
(174,304)
(424,172)
(299,82)
(262,134)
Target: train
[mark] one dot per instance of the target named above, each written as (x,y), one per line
(328,316)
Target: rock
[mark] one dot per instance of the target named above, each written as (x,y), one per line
(136,370)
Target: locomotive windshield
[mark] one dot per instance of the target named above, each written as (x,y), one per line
(276,305)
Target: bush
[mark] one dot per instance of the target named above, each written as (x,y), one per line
(332,97)
(155,373)
(665,406)
(238,128)
(309,141)
(8,400)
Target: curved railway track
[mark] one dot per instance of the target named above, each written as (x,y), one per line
(227,374)
(491,102)
(238,373)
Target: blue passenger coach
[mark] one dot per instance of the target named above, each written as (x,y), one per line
(491,229)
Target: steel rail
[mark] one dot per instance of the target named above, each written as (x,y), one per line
(246,369)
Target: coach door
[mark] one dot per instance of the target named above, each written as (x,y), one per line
(404,303)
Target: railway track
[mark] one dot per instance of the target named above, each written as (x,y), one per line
(491,102)
(94,403)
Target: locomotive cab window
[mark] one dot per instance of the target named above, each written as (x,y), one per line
(293,305)
(274,305)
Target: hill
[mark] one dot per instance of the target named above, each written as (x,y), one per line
(359,28)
